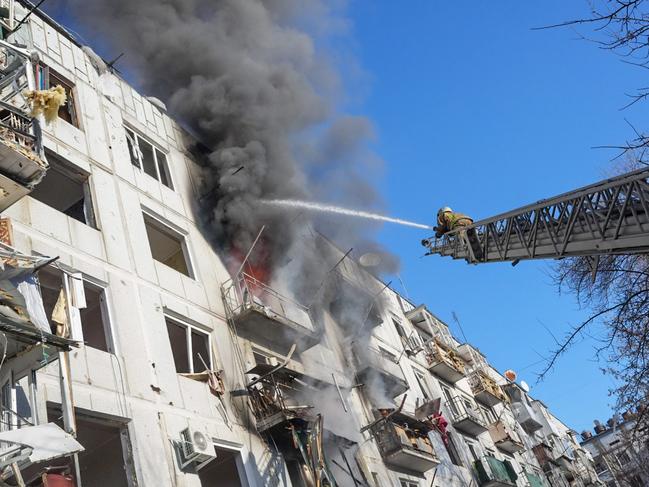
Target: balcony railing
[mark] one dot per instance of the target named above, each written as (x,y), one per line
(22,160)
(444,362)
(526,411)
(505,437)
(485,389)
(260,310)
(466,416)
(534,479)
(492,472)
(403,442)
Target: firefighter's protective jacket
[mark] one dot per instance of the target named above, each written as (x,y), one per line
(450,220)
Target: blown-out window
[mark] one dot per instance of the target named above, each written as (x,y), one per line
(65,188)
(148,158)
(190,347)
(167,245)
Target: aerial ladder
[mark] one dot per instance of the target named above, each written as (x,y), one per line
(608,217)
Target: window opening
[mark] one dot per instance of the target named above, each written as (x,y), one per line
(187,343)
(423,385)
(67,190)
(47,78)
(167,246)
(222,471)
(149,158)
(451,448)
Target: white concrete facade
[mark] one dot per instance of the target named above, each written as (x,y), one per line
(134,382)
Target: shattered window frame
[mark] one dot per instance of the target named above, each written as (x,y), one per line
(77,175)
(423,384)
(189,330)
(46,78)
(160,170)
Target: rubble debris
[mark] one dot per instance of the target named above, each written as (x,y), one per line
(47,102)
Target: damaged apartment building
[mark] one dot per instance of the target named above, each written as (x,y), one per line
(131,356)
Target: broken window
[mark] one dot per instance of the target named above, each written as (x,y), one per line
(47,78)
(94,318)
(106,459)
(190,347)
(167,246)
(451,448)
(90,323)
(222,471)
(408,483)
(149,158)
(66,189)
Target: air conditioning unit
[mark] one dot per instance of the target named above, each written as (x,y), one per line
(195,447)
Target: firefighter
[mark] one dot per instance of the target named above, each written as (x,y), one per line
(448,220)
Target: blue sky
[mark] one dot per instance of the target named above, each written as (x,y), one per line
(475,110)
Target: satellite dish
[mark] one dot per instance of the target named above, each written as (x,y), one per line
(525,386)
(510,375)
(370,259)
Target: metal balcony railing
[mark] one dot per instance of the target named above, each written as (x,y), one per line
(371,361)
(258,308)
(466,416)
(444,362)
(485,389)
(403,441)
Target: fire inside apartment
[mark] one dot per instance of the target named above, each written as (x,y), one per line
(131,356)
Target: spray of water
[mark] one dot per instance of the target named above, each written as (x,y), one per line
(309,205)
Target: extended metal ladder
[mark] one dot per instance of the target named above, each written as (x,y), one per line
(608,217)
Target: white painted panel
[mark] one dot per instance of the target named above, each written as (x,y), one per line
(86,239)
(38,35)
(169,279)
(136,233)
(49,221)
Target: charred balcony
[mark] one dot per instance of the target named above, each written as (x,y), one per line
(258,310)
(526,411)
(492,472)
(485,389)
(444,362)
(404,443)
(466,416)
(22,160)
(277,396)
(378,365)
(505,437)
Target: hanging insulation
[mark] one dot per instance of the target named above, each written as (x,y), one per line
(47,102)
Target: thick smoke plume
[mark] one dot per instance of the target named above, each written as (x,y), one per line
(249,79)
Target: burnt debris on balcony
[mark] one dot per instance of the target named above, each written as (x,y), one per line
(466,416)
(258,310)
(403,440)
(27,345)
(22,160)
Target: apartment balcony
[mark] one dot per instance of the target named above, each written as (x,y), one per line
(403,442)
(444,362)
(258,310)
(526,411)
(505,437)
(466,417)
(534,480)
(22,160)
(376,365)
(485,389)
(277,396)
(492,472)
